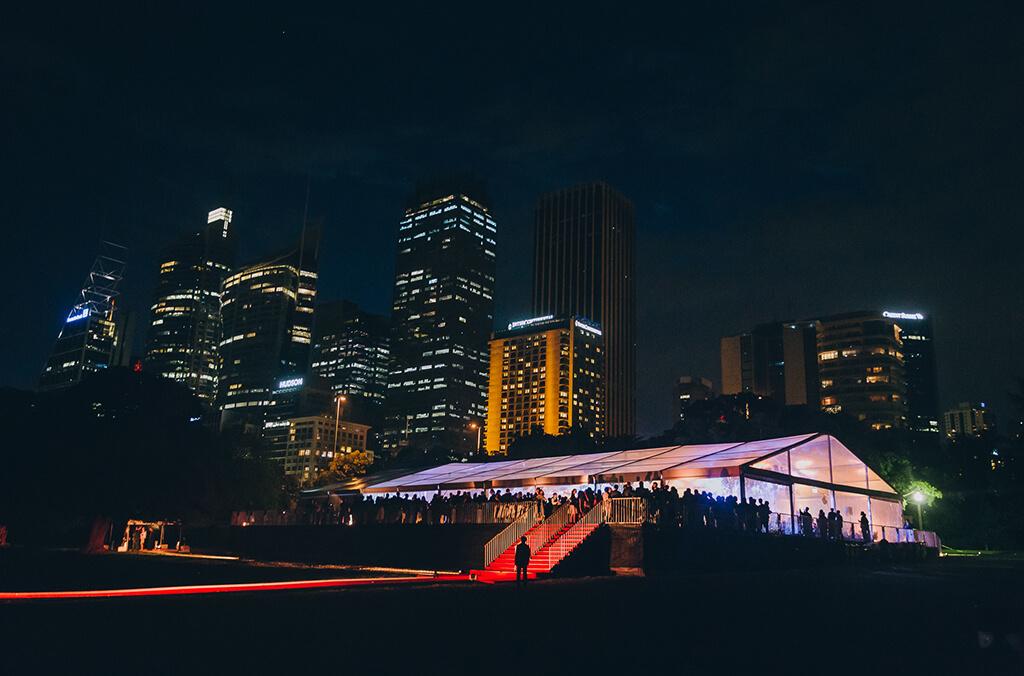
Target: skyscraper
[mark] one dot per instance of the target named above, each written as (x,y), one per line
(584,266)
(185,324)
(546,375)
(267,311)
(89,338)
(861,366)
(776,360)
(442,315)
(352,352)
(919,370)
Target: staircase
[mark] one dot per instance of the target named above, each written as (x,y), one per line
(550,540)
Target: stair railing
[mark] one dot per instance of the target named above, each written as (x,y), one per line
(625,510)
(497,545)
(548,528)
(577,533)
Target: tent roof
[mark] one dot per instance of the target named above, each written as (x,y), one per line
(820,458)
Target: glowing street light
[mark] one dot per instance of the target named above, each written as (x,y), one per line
(338,401)
(476,426)
(918,499)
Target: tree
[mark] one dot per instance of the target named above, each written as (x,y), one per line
(344,466)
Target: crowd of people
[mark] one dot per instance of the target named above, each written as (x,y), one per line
(661,504)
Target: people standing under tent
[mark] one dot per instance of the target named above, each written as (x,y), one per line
(764,511)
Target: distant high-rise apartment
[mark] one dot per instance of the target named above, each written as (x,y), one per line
(352,352)
(919,369)
(861,365)
(442,316)
(89,339)
(267,311)
(546,375)
(776,360)
(966,420)
(185,323)
(584,266)
(688,391)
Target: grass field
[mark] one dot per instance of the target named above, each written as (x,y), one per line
(954,616)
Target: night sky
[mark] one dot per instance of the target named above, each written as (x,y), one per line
(785,160)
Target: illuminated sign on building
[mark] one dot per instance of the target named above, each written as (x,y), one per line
(220,214)
(529,322)
(903,315)
(290,382)
(76,316)
(276,423)
(587,327)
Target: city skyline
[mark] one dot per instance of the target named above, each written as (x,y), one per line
(718,172)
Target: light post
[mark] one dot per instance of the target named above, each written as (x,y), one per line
(476,426)
(338,401)
(918,498)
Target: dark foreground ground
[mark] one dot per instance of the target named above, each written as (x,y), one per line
(954,616)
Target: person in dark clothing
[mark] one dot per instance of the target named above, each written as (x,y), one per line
(865,528)
(522,560)
(831,528)
(822,525)
(764,513)
(839,525)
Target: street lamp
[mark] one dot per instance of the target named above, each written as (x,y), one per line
(338,401)
(918,498)
(476,426)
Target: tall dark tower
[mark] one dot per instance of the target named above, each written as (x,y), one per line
(442,315)
(919,357)
(267,310)
(584,265)
(89,338)
(185,323)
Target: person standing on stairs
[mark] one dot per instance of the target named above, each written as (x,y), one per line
(522,561)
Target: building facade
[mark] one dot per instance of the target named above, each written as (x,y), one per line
(688,391)
(861,367)
(442,316)
(966,420)
(305,446)
(584,249)
(546,375)
(777,360)
(89,340)
(919,370)
(185,317)
(267,310)
(352,352)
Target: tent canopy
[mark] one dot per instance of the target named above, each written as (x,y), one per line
(807,457)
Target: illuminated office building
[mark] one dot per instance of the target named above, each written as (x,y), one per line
(352,352)
(861,366)
(442,316)
(305,446)
(919,370)
(89,340)
(546,375)
(185,322)
(777,360)
(584,266)
(267,312)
